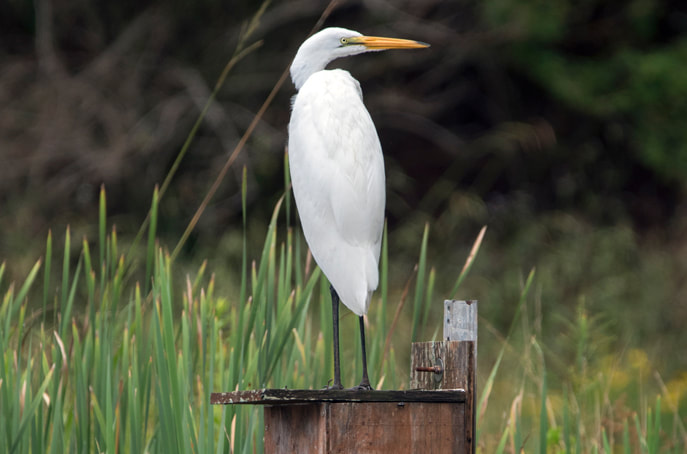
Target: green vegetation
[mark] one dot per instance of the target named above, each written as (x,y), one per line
(628,69)
(95,363)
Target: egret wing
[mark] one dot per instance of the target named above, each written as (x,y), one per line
(337,171)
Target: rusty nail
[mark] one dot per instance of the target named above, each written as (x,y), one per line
(435,369)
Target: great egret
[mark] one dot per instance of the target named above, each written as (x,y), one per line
(337,172)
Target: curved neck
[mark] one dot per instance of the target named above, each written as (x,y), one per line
(306,64)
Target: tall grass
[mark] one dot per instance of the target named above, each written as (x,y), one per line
(127,365)
(95,362)
(587,412)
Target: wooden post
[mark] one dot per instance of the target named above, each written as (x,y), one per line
(451,364)
(343,421)
(438,415)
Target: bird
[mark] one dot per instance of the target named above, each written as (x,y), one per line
(337,173)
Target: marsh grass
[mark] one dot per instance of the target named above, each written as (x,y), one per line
(120,368)
(122,357)
(585,411)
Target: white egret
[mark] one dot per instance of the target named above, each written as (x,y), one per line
(337,172)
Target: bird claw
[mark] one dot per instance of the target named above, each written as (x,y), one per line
(363,386)
(330,387)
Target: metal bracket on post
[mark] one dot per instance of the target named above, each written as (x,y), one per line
(460,321)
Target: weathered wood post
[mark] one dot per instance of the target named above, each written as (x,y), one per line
(451,363)
(435,415)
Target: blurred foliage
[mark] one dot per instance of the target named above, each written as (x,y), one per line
(578,105)
(622,63)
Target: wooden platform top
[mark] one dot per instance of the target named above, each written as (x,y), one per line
(312,396)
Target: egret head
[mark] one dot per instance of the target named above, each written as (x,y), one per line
(334,42)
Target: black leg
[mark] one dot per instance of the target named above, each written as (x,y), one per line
(365,383)
(335,319)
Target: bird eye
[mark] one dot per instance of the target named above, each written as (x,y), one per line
(344,41)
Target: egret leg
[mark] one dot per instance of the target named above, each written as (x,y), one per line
(335,320)
(365,382)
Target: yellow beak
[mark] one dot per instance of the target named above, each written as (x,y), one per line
(378,42)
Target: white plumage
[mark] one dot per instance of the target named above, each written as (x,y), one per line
(337,170)
(337,167)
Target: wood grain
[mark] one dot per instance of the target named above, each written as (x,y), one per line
(457,360)
(353,427)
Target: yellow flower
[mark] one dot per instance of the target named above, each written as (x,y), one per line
(676,390)
(638,359)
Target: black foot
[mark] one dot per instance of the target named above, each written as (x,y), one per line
(330,387)
(363,386)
